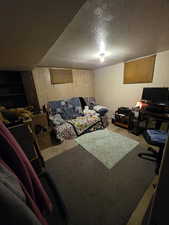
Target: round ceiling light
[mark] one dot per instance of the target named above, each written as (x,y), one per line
(101,57)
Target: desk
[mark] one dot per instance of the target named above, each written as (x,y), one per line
(159,117)
(145,116)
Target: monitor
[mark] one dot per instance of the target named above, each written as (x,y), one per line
(156,95)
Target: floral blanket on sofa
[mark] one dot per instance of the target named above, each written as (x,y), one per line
(65,131)
(83,123)
(75,127)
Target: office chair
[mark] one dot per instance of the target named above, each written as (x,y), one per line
(155,138)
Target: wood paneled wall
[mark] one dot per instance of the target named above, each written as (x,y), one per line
(83,85)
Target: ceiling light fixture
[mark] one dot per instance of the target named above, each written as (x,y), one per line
(101,57)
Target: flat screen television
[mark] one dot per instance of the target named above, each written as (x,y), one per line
(156,95)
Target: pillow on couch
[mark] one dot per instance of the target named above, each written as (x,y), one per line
(102,110)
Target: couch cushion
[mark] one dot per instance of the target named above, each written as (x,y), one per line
(68,109)
(54,107)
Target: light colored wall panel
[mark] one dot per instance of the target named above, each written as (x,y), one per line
(110,90)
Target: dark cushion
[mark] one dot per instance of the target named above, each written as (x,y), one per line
(102,111)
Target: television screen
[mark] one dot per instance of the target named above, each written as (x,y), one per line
(156,95)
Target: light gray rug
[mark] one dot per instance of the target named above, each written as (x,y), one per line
(108,147)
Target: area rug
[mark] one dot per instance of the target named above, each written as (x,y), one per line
(107,146)
(95,195)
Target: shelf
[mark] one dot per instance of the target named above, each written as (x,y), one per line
(12,93)
(121,124)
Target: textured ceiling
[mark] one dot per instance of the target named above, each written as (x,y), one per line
(126,29)
(29,28)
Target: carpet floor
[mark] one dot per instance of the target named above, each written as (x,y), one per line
(115,146)
(95,195)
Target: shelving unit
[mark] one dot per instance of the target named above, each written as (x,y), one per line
(121,120)
(12,92)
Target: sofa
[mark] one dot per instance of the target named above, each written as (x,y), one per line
(73,117)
